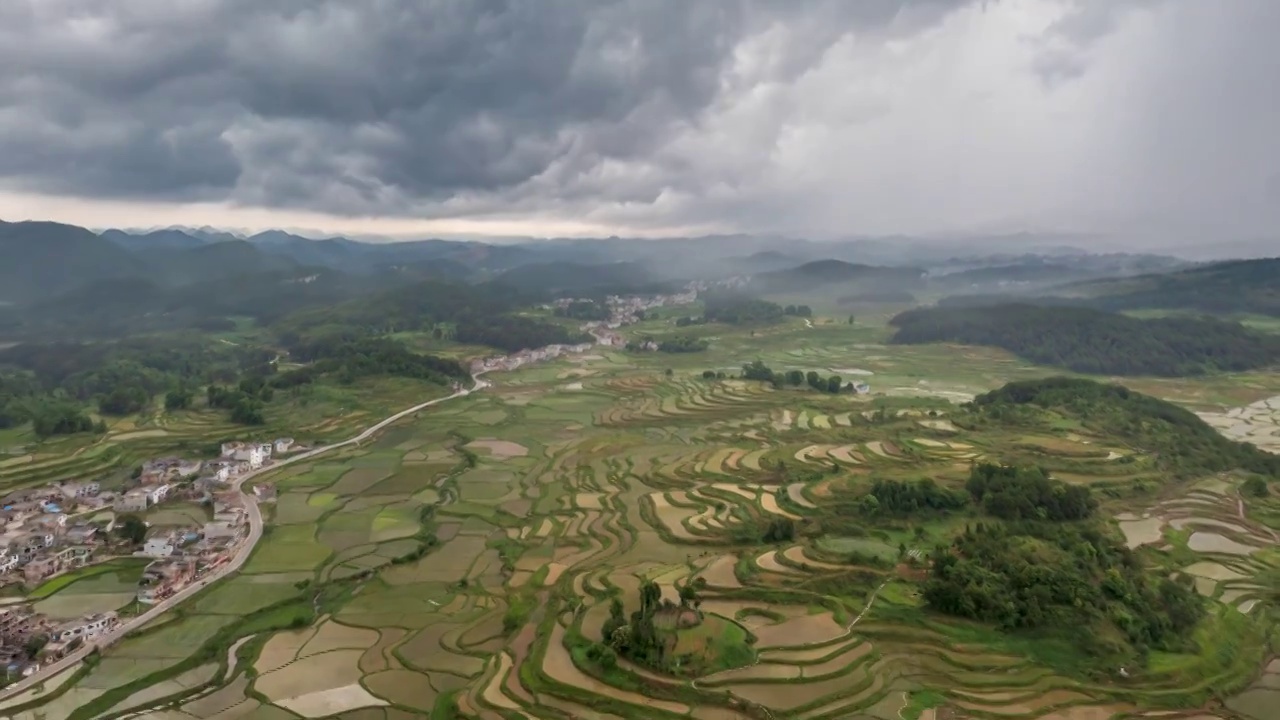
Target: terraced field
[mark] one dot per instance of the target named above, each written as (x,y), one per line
(327,413)
(466,562)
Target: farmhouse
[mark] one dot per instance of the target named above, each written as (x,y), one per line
(87,627)
(163,578)
(78,490)
(47,566)
(159,546)
(135,500)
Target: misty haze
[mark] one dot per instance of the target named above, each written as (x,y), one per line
(632,359)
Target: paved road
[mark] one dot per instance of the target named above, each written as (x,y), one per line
(242,555)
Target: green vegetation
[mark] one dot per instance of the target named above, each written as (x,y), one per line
(811,275)
(1061,579)
(670,535)
(733,308)
(1178,440)
(1093,341)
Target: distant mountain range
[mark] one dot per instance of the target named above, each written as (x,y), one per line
(65,280)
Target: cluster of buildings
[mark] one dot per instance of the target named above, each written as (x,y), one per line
(29,640)
(238,458)
(46,531)
(54,529)
(525,357)
(182,555)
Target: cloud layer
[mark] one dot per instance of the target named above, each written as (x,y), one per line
(818,117)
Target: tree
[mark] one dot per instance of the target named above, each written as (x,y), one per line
(179,399)
(35,644)
(1255,486)
(869,505)
(833,384)
(795,377)
(850,319)
(815,380)
(669,372)
(688,595)
(131,528)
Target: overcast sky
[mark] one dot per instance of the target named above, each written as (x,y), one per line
(819,118)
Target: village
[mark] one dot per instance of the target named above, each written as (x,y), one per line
(622,311)
(49,531)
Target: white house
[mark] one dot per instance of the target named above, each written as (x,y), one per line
(157,494)
(7,562)
(158,547)
(283,445)
(87,627)
(254,454)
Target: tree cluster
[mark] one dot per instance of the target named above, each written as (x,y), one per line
(1069,578)
(757,370)
(480,315)
(683,344)
(803,311)
(1094,341)
(246,401)
(1028,493)
(895,497)
(638,639)
(51,382)
(737,309)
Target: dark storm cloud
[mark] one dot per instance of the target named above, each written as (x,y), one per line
(380,105)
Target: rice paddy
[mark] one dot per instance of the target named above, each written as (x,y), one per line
(465,562)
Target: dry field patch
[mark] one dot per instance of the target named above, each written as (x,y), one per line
(335,636)
(332,701)
(720,572)
(1141,532)
(311,674)
(806,630)
(281,649)
(769,562)
(1212,571)
(402,687)
(499,449)
(795,491)
(769,501)
(736,490)
(1207,542)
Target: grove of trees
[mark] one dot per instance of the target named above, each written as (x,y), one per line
(1094,341)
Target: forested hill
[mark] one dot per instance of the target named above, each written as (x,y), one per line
(1094,341)
(1181,442)
(1237,286)
(42,259)
(836,272)
(483,314)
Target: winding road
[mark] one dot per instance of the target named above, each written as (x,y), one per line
(242,554)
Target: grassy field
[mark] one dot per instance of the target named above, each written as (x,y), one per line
(464,561)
